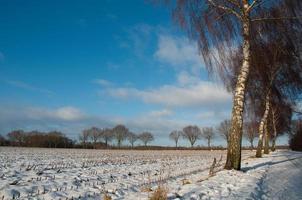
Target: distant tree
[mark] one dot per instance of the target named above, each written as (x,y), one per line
(84,136)
(175,135)
(95,134)
(295,142)
(107,135)
(191,133)
(251,133)
(146,137)
(35,138)
(120,133)
(281,120)
(224,129)
(16,136)
(54,138)
(208,134)
(132,138)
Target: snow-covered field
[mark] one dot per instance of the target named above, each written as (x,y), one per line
(37,173)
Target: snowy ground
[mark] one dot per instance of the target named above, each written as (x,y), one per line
(275,176)
(86,174)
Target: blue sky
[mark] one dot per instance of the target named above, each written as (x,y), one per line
(68,65)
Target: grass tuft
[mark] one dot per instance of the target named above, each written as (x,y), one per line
(161,193)
(107,197)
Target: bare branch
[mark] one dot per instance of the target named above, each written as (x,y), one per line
(275,18)
(253,4)
(235,3)
(225,8)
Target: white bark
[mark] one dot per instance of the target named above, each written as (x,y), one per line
(234,149)
(262,124)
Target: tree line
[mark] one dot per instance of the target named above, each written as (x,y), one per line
(97,138)
(89,138)
(52,139)
(119,133)
(192,133)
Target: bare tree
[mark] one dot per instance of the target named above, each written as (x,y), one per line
(95,135)
(251,132)
(16,136)
(281,120)
(132,138)
(220,25)
(224,130)
(208,134)
(84,136)
(54,138)
(175,135)
(146,137)
(192,133)
(275,118)
(120,133)
(107,135)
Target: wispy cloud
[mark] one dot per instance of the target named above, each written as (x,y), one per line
(139,39)
(111,16)
(26,86)
(201,94)
(161,113)
(178,52)
(67,113)
(103,82)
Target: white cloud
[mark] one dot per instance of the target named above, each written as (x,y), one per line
(177,51)
(26,86)
(67,113)
(103,82)
(138,39)
(184,78)
(203,93)
(161,113)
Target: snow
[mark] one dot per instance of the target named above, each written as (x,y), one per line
(275,176)
(39,173)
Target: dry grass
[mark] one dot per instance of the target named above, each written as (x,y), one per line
(146,189)
(185,181)
(159,194)
(107,197)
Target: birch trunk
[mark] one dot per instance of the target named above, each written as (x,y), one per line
(234,147)
(262,124)
(266,139)
(275,132)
